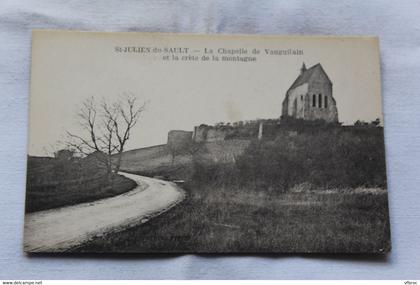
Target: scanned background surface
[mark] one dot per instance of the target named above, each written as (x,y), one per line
(397,25)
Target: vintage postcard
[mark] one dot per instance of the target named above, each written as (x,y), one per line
(148,142)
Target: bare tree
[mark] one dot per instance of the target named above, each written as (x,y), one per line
(106,129)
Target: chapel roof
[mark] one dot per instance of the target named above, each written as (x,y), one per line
(306,75)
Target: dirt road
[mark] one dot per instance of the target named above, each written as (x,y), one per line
(63,228)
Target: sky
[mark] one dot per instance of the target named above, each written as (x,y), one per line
(69,67)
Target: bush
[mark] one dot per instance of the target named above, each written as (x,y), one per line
(209,172)
(332,157)
(325,157)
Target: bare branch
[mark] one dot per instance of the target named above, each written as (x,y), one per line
(106,128)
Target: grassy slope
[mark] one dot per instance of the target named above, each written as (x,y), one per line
(221,216)
(214,219)
(46,190)
(152,159)
(48,197)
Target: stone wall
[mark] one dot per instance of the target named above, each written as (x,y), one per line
(321,87)
(215,135)
(177,138)
(200,133)
(296,102)
(204,133)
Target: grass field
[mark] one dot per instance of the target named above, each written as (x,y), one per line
(53,184)
(214,219)
(315,190)
(44,197)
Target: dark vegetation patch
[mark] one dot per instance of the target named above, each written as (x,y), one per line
(333,158)
(58,182)
(328,156)
(292,192)
(216,219)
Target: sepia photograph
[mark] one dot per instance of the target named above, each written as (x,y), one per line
(181,143)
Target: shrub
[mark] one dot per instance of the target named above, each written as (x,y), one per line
(332,157)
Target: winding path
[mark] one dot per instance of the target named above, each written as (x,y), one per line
(63,228)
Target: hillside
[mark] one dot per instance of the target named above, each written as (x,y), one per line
(290,153)
(153,158)
(301,188)
(57,182)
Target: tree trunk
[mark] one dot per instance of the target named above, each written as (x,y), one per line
(118,165)
(109,173)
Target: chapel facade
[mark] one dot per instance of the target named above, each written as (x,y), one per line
(310,97)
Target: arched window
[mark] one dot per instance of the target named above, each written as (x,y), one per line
(314,100)
(326,102)
(301,97)
(319,101)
